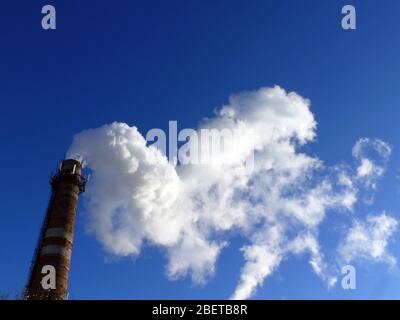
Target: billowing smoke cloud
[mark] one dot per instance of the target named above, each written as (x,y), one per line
(136,195)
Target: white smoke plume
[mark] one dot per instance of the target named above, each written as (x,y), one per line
(136,195)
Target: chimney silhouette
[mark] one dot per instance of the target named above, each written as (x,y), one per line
(48,279)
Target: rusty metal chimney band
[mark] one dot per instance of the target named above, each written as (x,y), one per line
(53,252)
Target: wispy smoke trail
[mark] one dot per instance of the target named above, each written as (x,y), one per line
(137,195)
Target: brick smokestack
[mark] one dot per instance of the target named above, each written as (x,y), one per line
(53,252)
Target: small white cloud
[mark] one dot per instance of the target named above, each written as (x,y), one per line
(368,239)
(373,155)
(366,168)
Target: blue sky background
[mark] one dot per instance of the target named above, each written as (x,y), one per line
(148,62)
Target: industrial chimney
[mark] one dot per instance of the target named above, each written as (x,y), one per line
(53,253)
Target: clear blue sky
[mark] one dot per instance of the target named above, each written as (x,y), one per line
(148,62)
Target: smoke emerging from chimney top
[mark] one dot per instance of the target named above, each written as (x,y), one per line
(193,210)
